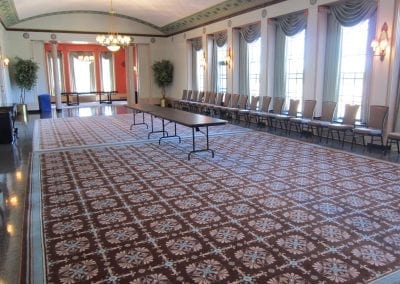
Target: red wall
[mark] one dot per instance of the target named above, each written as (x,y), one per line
(119,63)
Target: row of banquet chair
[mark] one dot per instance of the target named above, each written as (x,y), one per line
(235,106)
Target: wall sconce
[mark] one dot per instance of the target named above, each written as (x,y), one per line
(380,45)
(203,62)
(4,61)
(228,59)
(134,68)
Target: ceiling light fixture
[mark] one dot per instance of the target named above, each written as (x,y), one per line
(113,41)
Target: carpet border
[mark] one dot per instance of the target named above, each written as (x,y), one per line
(35,266)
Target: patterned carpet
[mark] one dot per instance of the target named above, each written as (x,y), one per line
(266,209)
(88,131)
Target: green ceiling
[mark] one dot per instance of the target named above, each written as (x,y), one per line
(220,11)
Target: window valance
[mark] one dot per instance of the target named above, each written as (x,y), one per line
(292,24)
(220,38)
(197,43)
(251,32)
(352,12)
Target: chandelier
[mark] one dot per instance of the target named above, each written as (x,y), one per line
(113,41)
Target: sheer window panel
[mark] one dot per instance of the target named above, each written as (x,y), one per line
(254,55)
(82,73)
(222,69)
(200,70)
(294,68)
(107,72)
(50,73)
(352,66)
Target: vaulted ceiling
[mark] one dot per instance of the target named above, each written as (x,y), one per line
(167,16)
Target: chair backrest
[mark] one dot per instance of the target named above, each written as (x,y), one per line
(278,104)
(184,94)
(200,96)
(220,97)
(243,101)
(189,95)
(235,100)
(328,109)
(212,98)
(350,113)
(308,108)
(377,116)
(254,102)
(227,99)
(194,96)
(293,107)
(207,98)
(266,100)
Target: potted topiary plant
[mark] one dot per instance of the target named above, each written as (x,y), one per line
(25,77)
(163,75)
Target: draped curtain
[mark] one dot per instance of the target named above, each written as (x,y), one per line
(74,59)
(219,40)
(248,34)
(287,25)
(107,58)
(214,67)
(197,45)
(194,68)
(332,62)
(347,14)
(50,66)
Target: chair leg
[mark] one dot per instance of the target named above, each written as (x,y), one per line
(327,136)
(353,140)
(344,137)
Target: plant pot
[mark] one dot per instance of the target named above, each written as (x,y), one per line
(162,102)
(22,113)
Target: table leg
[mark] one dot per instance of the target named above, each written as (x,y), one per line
(207,149)
(158,131)
(134,120)
(169,136)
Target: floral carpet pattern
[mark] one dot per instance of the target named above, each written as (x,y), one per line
(96,130)
(266,209)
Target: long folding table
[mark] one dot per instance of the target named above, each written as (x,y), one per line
(170,115)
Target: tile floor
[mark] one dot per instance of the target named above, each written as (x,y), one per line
(14,178)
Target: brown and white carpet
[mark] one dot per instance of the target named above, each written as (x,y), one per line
(266,209)
(73,132)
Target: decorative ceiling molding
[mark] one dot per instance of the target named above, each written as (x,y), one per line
(8,13)
(220,11)
(93,13)
(215,13)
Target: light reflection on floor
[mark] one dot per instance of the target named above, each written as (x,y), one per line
(14,178)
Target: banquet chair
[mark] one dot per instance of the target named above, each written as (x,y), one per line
(393,137)
(277,106)
(233,104)
(266,100)
(374,126)
(176,103)
(328,109)
(347,124)
(221,109)
(246,111)
(283,119)
(306,117)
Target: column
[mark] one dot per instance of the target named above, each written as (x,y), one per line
(56,74)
